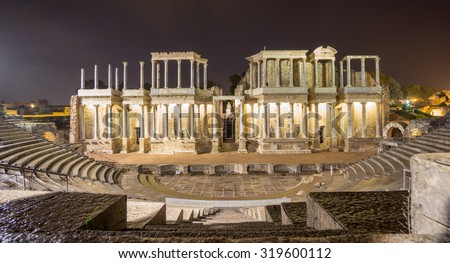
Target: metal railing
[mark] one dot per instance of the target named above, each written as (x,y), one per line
(406,179)
(32,172)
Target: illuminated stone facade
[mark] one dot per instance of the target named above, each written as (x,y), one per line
(288,102)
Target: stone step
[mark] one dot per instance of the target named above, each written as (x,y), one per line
(425,145)
(40,161)
(16,156)
(18,149)
(377,165)
(389,169)
(395,161)
(25,160)
(65,163)
(370,171)
(7,145)
(444,146)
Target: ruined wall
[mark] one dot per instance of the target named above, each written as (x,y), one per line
(74,125)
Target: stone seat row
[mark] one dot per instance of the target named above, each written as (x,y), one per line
(21,149)
(393,161)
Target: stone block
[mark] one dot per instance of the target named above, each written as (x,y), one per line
(430,197)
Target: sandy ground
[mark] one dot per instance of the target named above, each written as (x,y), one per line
(324,157)
(139,210)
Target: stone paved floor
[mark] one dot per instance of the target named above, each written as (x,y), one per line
(145,158)
(232,185)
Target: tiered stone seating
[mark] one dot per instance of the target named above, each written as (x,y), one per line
(20,148)
(392,162)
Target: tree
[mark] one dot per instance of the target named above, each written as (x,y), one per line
(235,79)
(211,84)
(89,84)
(395,89)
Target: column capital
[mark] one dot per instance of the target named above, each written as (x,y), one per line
(125,63)
(142,62)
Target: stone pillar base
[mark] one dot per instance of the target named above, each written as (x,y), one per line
(143,145)
(215,146)
(126,145)
(242,146)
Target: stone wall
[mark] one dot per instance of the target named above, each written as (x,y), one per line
(318,218)
(74,105)
(430,195)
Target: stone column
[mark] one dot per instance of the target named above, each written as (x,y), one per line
(125,122)
(333,74)
(316,126)
(191,121)
(305,81)
(205,76)
(333,125)
(291,73)
(316,74)
(264,121)
(109,77)
(179,73)
(349,120)
(117,79)
(153,74)
(378,124)
(349,73)
(363,119)
(278,71)
(341,73)
(241,119)
(278,122)
(166,73)
(179,122)
(141,74)
(166,122)
(95,77)
(264,73)
(141,122)
(192,73)
(108,120)
(305,120)
(96,122)
(214,119)
(146,121)
(82,82)
(205,120)
(158,75)
(259,74)
(377,71)
(251,74)
(291,120)
(255,115)
(267,120)
(82,123)
(125,78)
(153,122)
(198,75)
(363,72)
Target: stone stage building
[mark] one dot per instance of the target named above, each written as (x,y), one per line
(287,102)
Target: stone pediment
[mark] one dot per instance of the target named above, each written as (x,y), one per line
(323,53)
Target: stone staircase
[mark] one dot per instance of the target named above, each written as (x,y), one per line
(48,166)
(394,161)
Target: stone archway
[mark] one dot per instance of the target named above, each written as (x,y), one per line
(394,129)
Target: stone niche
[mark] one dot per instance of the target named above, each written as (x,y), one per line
(430,195)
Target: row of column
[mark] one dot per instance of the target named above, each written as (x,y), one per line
(264,113)
(363,72)
(156,68)
(110,77)
(261,70)
(363,120)
(316,72)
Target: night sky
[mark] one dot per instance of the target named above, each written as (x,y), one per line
(43,44)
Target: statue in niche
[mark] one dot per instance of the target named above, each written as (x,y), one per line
(228,111)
